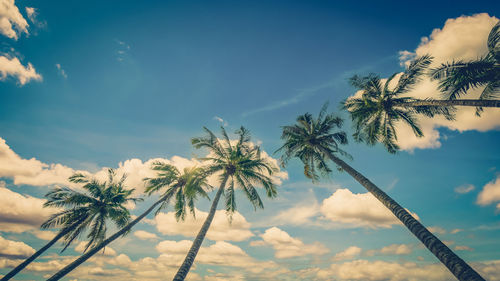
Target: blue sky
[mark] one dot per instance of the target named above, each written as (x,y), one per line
(97,84)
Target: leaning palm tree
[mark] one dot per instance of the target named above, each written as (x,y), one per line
(184,187)
(381,105)
(314,142)
(457,77)
(238,164)
(87,209)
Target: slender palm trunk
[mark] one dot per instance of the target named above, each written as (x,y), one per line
(103,244)
(478,103)
(35,255)
(454,263)
(193,251)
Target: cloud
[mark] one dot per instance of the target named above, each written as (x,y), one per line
(286,246)
(437,230)
(61,71)
(19,213)
(14,249)
(221,253)
(12,23)
(222,121)
(462,38)
(456,230)
(490,193)
(220,229)
(463,248)
(144,235)
(347,254)
(11,66)
(382,270)
(357,210)
(463,189)
(36,173)
(394,249)
(32,14)
(122,52)
(107,251)
(300,214)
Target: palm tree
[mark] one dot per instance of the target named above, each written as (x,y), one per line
(100,202)
(381,106)
(238,163)
(183,187)
(457,77)
(314,143)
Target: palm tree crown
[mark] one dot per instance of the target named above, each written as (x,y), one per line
(185,187)
(381,106)
(99,202)
(240,163)
(312,140)
(457,77)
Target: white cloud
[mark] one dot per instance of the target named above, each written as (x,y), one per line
(221,253)
(437,230)
(300,214)
(44,235)
(220,229)
(14,249)
(61,71)
(463,38)
(463,248)
(11,66)
(382,270)
(12,22)
(490,193)
(396,249)
(286,246)
(463,189)
(456,230)
(347,254)
(222,121)
(19,213)
(34,172)
(144,235)
(358,210)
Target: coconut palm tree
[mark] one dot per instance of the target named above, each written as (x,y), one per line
(314,142)
(380,105)
(457,77)
(239,164)
(87,209)
(184,187)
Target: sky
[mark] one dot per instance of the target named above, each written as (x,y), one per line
(88,85)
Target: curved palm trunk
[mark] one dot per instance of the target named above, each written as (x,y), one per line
(25,263)
(193,251)
(454,263)
(103,244)
(478,103)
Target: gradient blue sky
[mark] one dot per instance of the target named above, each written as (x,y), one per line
(142,77)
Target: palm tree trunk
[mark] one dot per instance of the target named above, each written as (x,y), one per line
(464,102)
(103,244)
(20,267)
(454,263)
(193,251)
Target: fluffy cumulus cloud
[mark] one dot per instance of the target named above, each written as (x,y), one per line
(12,22)
(220,229)
(490,193)
(144,235)
(34,172)
(463,189)
(107,251)
(347,254)
(462,38)
(286,246)
(382,270)
(357,210)
(19,213)
(14,249)
(394,249)
(12,67)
